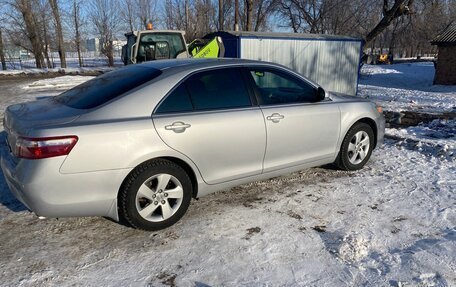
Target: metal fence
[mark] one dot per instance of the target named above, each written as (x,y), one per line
(89,59)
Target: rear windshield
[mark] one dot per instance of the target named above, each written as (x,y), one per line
(106,87)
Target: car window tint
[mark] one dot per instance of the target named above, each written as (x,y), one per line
(276,87)
(177,101)
(107,87)
(218,89)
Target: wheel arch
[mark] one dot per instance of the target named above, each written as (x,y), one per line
(372,124)
(185,166)
(188,169)
(339,162)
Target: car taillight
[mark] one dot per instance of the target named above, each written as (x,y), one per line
(37,148)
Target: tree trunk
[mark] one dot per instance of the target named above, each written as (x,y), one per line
(25,8)
(186,16)
(236,15)
(46,43)
(220,15)
(249,6)
(109,52)
(78,35)
(2,54)
(58,30)
(259,17)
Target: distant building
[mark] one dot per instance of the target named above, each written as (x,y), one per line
(93,45)
(117,45)
(445,72)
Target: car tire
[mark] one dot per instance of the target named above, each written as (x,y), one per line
(155,195)
(356,147)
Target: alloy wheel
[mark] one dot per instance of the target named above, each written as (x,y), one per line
(358,148)
(159,197)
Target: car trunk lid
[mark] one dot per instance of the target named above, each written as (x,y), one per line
(23,119)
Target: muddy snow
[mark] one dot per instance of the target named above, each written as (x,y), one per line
(391,224)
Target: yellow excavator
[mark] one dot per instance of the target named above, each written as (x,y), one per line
(149,45)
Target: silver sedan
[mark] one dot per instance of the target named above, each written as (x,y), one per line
(141,141)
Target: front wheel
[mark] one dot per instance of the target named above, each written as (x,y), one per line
(155,195)
(356,147)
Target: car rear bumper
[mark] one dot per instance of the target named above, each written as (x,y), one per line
(40,186)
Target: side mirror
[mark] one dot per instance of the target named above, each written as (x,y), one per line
(320,94)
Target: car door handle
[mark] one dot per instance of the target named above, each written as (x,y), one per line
(275,117)
(178,127)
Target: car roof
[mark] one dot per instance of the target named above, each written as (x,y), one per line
(178,65)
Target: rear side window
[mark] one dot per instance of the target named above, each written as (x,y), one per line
(106,87)
(275,87)
(177,101)
(208,90)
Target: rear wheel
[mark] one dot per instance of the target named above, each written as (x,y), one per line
(356,147)
(155,195)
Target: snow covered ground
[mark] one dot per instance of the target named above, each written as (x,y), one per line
(34,71)
(90,65)
(391,224)
(403,87)
(58,83)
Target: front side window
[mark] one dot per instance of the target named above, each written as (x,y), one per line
(275,87)
(208,90)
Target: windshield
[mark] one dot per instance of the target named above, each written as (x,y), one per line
(107,87)
(175,42)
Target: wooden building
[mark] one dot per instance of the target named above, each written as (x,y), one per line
(445,71)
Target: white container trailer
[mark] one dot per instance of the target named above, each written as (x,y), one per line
(329,60)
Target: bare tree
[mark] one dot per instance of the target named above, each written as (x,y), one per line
(220,15)
(2,53)
(259,17)
(128,14)
(263,9)
(311,16)
(41,19)
(175,15)
(106,21)
(390,12)
(146,11)
(205,14)
(59,32)
(236,15)
(76,16)
(32,33)
(196,17)
(248,14)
